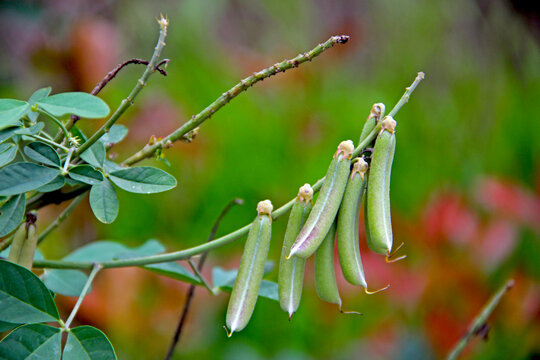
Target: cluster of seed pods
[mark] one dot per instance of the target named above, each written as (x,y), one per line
(312,229)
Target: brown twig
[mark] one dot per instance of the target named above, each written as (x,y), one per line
(191,290)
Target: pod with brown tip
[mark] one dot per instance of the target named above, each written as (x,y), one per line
(251,270)
(291,271)
(348,225)
(327,205)
(26,258)
(378,217)
(325,274)
(375,115)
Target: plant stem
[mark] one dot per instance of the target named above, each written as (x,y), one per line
(408,91)
(52,143)
(127,102)
(187,253)
(200,276)
(63,215)
(478,325)
(227,96)
(68,159)
(53,118)
(95,270)
(191,290)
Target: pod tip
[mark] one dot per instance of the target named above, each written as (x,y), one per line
(348,312)
(346,148)
(376,291)
(305,193)
(377,111)
(229,334)
(265,207)
(360,166)
(389,124)
(291,313)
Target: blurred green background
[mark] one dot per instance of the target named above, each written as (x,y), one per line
(465,182)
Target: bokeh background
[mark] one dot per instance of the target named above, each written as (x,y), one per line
(465,183)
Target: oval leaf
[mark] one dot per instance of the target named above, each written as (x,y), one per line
(35,97)
(7,153)
(36,341)
(104,202)
(88,343)
(24,176)
(24,298)
(95,155)
(100,251)
(86,174)
(32,130)
(66,282)
(143,180)
(174,270)
(5,326)
(116,134)
(11,111)
(76,103)
(12,213)
(42,153)
(56,183)
(7,133)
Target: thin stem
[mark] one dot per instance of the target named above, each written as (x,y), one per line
(68,159)
(6,242)
(95,270)
(478,326)
(53,118)
(191,290)
(408,91)
(127,102)
(227,96)
(200,276)
(63,215)
(52,143)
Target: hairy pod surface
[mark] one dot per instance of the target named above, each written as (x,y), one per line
(378,217)
(291,271)
(348,225)
(325,274)
(327,205)
(17,244)
(251,270)
(375,115)
(26,258)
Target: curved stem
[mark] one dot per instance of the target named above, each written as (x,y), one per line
(227,96)
(127,102)
(187,253)
(95,270)
(53,118)
(52,143)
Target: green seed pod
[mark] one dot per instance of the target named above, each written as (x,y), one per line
(26,258)
(348,224)
(378,219)
(248,281)
(325,274)
(327,205)
(17,244)
(291,271)
(375,115)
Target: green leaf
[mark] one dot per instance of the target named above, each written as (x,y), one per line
(110,166)
(36,341)
(56,183)
(12,213)
(104,202)
(86,174)
(224,280)
(106,250)
(32,130)
(76,103)
(7,153)
(42,153)
(88,343)
(35,97)
(116,134)
(143,180)
(11,111)
(7,133)
(174,270)
(21,177)
(66,282)
(24,298)
(75,131)
(95,155)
